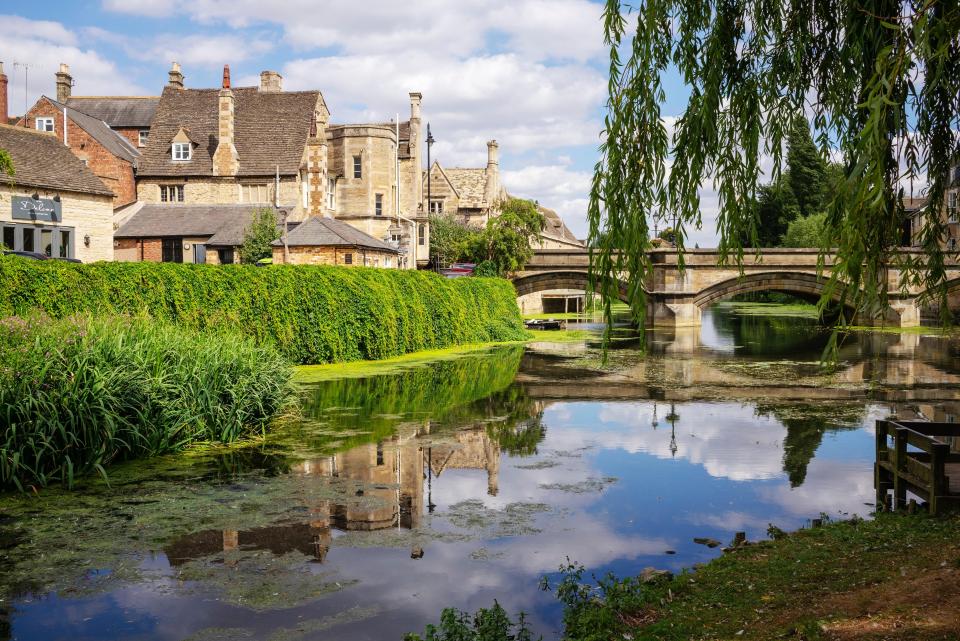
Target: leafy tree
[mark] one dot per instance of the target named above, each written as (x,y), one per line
(259,236)
(6,162)
(807,170)
(806,231)
(506,241)
(450,240)
(669,235)
(879,82)
(776,208)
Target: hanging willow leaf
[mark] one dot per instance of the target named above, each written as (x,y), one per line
(878,82)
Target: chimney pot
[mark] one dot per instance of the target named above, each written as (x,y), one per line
(415,98)
(175,76)
(226,76)
(271,81)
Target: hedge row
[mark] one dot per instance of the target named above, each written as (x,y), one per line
(310,314)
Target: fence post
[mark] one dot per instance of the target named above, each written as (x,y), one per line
(881,476)
(900,466)
(938,458)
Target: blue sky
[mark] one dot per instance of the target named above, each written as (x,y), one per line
(529,73)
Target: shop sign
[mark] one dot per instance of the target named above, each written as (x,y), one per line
(36,209)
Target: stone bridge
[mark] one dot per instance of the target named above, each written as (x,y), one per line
(677,298)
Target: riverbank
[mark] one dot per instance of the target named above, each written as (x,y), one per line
(894,577)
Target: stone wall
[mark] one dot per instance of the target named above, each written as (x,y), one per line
(335,256)
(222,191)
(376,146)
(116,173)
(86,214)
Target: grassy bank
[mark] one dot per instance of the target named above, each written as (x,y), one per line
(310,314)
(896,577)
(79,393)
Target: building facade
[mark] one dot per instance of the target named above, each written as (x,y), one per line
(53,204)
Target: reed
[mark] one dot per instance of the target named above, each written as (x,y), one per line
(79,393)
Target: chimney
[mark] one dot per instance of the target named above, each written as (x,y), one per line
(491,192)
(316,175)
(175,76)
(271,82)
(64,83)
(416,151)
(3,96)
(226,161)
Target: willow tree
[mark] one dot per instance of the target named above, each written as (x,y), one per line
(879,84)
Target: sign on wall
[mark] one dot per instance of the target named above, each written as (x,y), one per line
(40,209)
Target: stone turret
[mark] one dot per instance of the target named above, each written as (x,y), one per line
(175,76)
(64,83)
(226,160)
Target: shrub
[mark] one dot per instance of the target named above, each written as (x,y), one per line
(79,393)
(310,314)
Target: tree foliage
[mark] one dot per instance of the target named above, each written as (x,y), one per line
(259,236)
(6,163)
(806,231)
(879,84)
(503,246)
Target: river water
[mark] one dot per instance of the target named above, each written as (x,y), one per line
(467,480)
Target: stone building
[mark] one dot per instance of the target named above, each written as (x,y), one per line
(950,215)
(53,204)
(331,241)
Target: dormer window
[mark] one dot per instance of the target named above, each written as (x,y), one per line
(181,151)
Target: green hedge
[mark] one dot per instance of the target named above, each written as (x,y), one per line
(311,314)
(79,393)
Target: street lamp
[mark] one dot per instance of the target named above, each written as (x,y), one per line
(429,167)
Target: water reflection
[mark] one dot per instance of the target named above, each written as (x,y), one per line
(466,481)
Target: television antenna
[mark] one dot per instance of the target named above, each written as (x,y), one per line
(26,86)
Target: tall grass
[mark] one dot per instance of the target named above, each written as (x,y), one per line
(79,393)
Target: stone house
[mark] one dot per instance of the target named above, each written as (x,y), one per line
(109,153)
(331,241)
(266,147)
(53,204)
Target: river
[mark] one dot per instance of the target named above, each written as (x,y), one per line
(467,480)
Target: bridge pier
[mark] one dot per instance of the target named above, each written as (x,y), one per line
(672,312)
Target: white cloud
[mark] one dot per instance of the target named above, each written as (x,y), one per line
(201,49)
(43,46)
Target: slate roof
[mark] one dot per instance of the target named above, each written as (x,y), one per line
(270,129)
(911,205)
(42,160)
(224,224)
(101,132)
(470,184)
(118,111)
(330,232)
(556,227)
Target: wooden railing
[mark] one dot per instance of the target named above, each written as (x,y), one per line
(924,472)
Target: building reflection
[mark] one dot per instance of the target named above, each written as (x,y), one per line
(387,482)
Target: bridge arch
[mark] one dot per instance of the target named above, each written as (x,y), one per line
(564,279)
(802,284)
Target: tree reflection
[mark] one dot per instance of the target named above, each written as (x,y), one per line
(806,424)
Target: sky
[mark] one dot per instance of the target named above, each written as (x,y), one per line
(529,73)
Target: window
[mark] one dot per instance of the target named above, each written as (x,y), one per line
(44,124)
(259,193)
(171,193)
(436,206)
(357,167)
(348,259)
(172,250)
(378,205)
(143,137)
(56,242)
(181,151)
(387,262)
(331,193)
(225,255)
(421,234)
(952,207)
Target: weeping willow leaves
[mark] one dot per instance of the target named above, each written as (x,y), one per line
(878,82)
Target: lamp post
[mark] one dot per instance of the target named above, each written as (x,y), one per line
(429,145)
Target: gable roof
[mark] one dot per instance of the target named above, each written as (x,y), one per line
(224,224)
(330,232)
(118,111)
(100,131)
(556,227)
(436,165)
(42,160)
(270,130)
